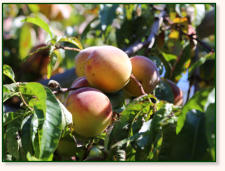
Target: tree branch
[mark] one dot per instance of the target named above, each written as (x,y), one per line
(151,38)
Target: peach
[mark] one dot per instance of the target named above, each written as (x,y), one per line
(80,82)
(91,111)
(80,60)
(145,72)
(177,92)
(108,69)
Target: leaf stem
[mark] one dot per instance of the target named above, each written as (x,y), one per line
(67,48)
(24,102)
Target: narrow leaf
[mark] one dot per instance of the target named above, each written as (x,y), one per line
(7,70)
(39,22)
(72,40)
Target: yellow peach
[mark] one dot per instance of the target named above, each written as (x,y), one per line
(146,73)
(108,69)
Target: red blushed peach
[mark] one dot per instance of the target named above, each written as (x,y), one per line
(80,82)
(108,69)
(177,92)
(145,72)
(91,111)
(80,60)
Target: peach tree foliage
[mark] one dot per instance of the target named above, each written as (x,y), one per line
(146,128)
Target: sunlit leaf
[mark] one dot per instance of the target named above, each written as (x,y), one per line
(174,34)
(180,20)
(7,70)
(39,22)
(52,126)
(25,40)
(199,13)
(72,40)
(10,90)
(169,57)
(54,57)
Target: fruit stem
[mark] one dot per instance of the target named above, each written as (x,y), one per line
(139,84)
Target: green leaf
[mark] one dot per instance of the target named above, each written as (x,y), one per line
(163,91)
(12,138)
(66,116)
(33,7)
(7,70)
(158,62)
(26,134)
(107,14)
(169,57)
(52,127)
(54,57)
(126,129)
(200,62)
(199,13)
(25,41)
(10,90)
(37,95)
(210,112)
(39,22)
(14,117)
(12,141)
(180,66)
(197,102)
(190,144)
(72,40)
(149,145)
(33,158)
(46,132)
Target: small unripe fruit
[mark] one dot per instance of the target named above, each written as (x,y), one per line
(80,60)
(91,111)
(66,147)
(177,92)
(108,69)
(146,73)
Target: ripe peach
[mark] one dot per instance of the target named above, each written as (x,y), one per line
(177,92)
(146,72)
(91,111)
(80,60)
(108,69)
(80,82)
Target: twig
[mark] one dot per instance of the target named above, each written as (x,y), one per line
(64,90)
(24,102)
(194,37)
(67,48)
